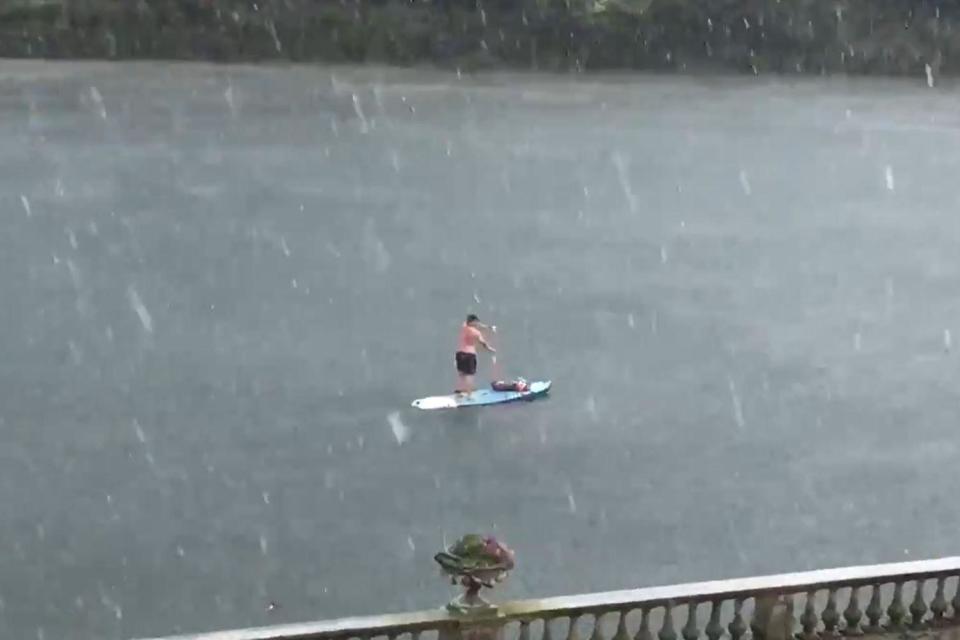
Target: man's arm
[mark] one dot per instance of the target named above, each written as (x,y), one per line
(483,341)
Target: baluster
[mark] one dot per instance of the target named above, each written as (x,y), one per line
(621,633)
(852,614)
(874,611)
(690,630)
(759,620)
(573,633)
(737,627)
(956,600)
(714,629)
(666,631)
(644,633)
(547,633)
(939,604)
(524,630)
(830,616)
(918,608)
(808,620)
(791,622)
(597,631)
(896,611)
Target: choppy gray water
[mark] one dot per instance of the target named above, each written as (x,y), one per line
(223,286)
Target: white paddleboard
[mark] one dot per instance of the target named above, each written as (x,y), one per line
(482,397)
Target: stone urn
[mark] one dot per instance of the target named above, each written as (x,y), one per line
(475,562)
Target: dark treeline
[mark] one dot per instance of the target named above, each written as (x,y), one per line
(793,36)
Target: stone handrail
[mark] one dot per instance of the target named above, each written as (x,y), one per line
(760,607)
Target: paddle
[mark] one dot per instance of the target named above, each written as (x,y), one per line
(495,369)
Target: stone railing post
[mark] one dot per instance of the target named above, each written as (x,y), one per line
(475,627)
(477,630)
(773,618)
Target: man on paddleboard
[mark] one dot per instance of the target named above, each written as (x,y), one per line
(466,358)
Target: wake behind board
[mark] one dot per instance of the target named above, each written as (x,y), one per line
(482,397)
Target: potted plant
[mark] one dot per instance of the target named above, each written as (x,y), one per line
(475,561)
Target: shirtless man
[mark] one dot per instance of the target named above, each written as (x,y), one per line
(466,357)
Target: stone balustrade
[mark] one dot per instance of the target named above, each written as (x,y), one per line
(816,605)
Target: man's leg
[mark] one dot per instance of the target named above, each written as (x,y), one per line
(471,372)
(461,375)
